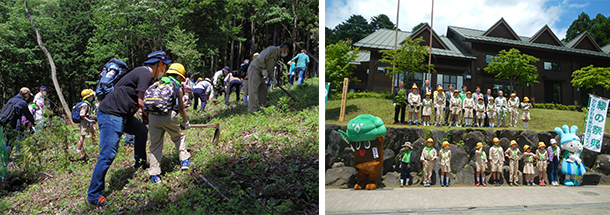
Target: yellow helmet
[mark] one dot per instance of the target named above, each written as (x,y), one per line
(440,89)
(200,79)
(479,145)
(526,99)
(427,93)
(176,68)
(445,143)
(255,55)
(496,140)
(86,93)
(490,98)
(429,140)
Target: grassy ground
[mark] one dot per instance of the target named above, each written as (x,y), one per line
(542,119)
(265,162)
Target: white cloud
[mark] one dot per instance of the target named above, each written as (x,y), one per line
(578,5)
(526,17)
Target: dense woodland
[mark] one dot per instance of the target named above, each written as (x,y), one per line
(82,35)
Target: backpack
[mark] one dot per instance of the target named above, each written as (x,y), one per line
(76,112)
(7,113)
(243,70)
(111,73)
(160,97)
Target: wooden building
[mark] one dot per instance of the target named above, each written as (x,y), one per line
(460,56)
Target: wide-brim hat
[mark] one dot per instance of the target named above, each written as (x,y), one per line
(513,142)
(445,143)
(440,89)
(414,87)
(468,93)
(156,57)
(496,140)
(430,140)
(479,145)
(541,144)
(428,93)
(490,98)
(456,91)
(513,94)
(526,99)
(526,147)
(480,98)
(409,144)
(553,141)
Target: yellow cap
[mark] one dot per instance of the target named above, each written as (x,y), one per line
(456,91)
(428,93)
(479,145)
(480,97)
(414,87)
(541,144)
(526,99)
(86,93)
(513,94)
(440,89)
(513,142)
(176,68)
(468,93)
(490,98)
(200,79)
(445,143)
(255,55)
(526,147)
(496,140)
(429,140)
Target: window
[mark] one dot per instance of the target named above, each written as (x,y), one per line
(380,69)
(487,60)
(418,78)
(552,66)
(444,80)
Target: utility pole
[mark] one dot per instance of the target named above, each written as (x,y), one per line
(395,45)
(431,30)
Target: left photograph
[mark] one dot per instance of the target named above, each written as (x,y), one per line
(159,107)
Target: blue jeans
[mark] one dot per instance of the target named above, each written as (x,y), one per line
(199,93)
(234,84)
(301,71)
(291,79)
(553,166)
(111,128)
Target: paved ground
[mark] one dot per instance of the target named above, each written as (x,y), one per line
(490,199)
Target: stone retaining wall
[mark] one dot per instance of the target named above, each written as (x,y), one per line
(340,169)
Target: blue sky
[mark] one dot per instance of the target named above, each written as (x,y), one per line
(526,17)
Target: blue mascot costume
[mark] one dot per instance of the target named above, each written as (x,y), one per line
(571,164)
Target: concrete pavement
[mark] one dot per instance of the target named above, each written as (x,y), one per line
(488,199)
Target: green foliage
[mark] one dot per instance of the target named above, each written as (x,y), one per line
(515,67)
(401,98)
(592,77)
(338,58)
(356,28)
(184,45)
(408,59)
(381,21)
(598,28)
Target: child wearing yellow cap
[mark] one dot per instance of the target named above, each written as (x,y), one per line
(445,164)
(87,123)
(513,111)
(480,108)
(426,111)
(414,100)
(455,105)
(528,168)
(525,111)
(468,106)
(514,155)
(541,163)
(439,104)
(496,159)
(491,112)
(481,163)
(427,158)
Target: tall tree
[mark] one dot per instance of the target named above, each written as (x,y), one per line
(598,28)
(418,26)
(581,24)
(515,67)
(408,59)
(355,28)
(592,77)
(338,57)
(381,21)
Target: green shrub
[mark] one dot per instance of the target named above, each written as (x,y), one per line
(351,95)
(536,105)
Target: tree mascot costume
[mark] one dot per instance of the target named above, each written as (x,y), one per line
(571,164)
(365,134)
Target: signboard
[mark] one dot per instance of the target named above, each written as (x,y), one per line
(592,138)
(326,89)
(343,99)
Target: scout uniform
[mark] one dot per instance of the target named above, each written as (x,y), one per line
(496,156)
(456,104)
(542,157)
(480,108)
(514,156)
(491,111)
(426,110)
(407,155)
(480,158)
(414,100)
(525,113)
(500,104)
(445,164)
(468,106)
(528,157)
(513,105)
(439,103)
(427,155)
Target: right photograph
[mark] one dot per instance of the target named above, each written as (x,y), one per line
(467,107)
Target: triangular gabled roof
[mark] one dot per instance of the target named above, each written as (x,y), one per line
(424,32)
(584,41)
(545,35)
(503,30)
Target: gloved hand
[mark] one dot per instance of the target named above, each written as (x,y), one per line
(187,126)
(265,73)
(394,104)
(273,81)
(91,121)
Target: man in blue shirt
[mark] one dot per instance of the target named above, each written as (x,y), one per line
(302,60)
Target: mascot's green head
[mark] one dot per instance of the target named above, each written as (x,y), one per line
(363,128)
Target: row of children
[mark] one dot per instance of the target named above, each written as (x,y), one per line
(466,108)
(542,156)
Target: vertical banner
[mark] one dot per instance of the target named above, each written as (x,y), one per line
(595,122)
(327,88)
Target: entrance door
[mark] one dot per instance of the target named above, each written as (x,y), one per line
(552,92)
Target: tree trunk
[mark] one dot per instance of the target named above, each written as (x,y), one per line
(253,30)
(232,58)
(212,64)
(51,62)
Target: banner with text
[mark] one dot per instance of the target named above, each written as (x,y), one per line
(594,124)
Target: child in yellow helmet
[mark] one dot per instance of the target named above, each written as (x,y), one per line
(541,163)
(426,110)
(528,168)
(525,111)
(514,155)
(481,164)
(496,159)
(428,156)
(87,123)
(445,156)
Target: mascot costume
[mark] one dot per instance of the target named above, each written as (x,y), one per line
(365,134)
(571,164)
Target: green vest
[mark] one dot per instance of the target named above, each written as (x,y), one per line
(406,156)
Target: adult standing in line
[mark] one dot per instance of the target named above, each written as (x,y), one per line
(245,82)
(302,61)
(439,100)
(475,98)
(501,106)
(257,72)
(553,151)
(115,115)
(462,96)
(202,91)
(399,108)
(449,95)
(486,101)
(39,102)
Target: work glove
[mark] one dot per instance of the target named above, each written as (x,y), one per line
(274,81)
(394,104)
(265,73)
(91,121)
(187,126)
